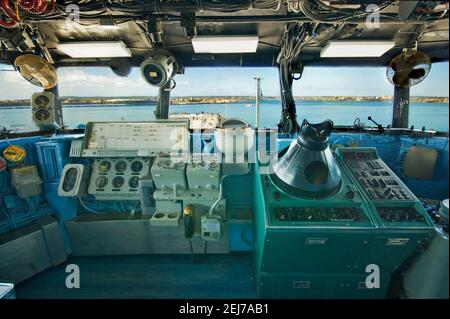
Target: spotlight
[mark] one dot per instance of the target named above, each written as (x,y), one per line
(159,69)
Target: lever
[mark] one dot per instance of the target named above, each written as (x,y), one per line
(379,126)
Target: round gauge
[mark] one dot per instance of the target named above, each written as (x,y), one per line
(101,182)
(42,115)
(41,101)
(118,182)
(134,182)
(104,166)
(137,166)
(121,166)
(14,153)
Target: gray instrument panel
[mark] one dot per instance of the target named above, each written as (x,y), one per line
(118,178)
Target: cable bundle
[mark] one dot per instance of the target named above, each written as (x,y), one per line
(24,214)
(295,38)
(91,205)
(30,6)
(317,10)
(134,7)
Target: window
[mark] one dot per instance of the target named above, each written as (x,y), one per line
(340,94)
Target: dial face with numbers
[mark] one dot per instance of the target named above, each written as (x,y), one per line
(121,166)
(101,182)
(42,115)
(137,166)
(41,101)
(118,182)
(134,182)
(104,166)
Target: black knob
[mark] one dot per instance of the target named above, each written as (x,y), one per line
(350,195)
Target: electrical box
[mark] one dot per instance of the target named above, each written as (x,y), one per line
(45,111)
(168,174)
(74,180)
(204,174)
(211,227)
(26,181)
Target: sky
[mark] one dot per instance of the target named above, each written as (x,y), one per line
(316,81)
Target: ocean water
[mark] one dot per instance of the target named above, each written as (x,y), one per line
(431,115)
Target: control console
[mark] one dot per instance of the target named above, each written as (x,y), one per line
(374,176)
(395,205)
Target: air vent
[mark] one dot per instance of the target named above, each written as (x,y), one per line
(76,148)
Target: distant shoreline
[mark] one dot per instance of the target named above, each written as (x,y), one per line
(117,101)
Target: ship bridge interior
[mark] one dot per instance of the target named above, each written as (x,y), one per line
(202,206)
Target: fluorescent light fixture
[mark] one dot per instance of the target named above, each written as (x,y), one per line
(95,49)
(225,44)
(344,49)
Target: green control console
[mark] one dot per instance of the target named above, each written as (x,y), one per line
(328,247)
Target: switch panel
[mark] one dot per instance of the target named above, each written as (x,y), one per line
(374,176)
(168,174)
(204,174)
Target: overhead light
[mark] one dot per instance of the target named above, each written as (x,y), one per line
(344,49)
(225,44)
(95,49)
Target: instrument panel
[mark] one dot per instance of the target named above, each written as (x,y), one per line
(319,214)
(402,214)
(118,178)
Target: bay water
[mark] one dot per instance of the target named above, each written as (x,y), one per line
(431,115)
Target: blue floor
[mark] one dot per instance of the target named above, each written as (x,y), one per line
(150,276)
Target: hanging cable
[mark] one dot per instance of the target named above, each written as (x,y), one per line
(319,11)
(295,37)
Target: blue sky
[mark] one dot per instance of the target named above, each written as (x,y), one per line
(229,81)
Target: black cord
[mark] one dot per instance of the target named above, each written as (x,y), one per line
(288,123)
(205,252)
(191,249)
